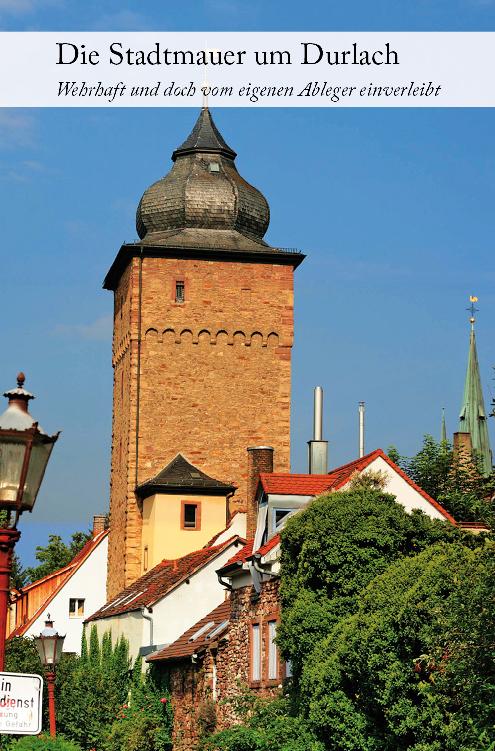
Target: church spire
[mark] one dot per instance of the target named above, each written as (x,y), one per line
(443,432)
(473,417)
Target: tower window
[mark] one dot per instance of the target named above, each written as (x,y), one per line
(180,292)
(191,515)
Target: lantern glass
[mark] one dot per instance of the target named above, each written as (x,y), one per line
(40,453)
(12,450)
(49,645)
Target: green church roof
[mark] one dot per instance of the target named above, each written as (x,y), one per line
(473,416)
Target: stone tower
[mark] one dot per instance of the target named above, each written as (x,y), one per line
(203,330)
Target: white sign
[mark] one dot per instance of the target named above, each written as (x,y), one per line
(247,69)
(20,703)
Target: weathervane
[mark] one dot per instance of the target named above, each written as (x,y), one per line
(472,309)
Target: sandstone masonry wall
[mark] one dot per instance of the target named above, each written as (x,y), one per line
(202,692)
(207,377)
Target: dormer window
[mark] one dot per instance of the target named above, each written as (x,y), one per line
(180,291)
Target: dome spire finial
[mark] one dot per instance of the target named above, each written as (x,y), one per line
(204,138)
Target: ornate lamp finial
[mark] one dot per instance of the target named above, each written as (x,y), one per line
(21,378)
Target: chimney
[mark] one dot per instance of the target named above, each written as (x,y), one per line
(260,459)
(99,524)
(361,429)
(318,448)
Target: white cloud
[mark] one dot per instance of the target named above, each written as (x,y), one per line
(99,330)
(16,127)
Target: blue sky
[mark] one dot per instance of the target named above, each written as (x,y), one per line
(393,207)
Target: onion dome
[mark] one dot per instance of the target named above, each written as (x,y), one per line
(203,197)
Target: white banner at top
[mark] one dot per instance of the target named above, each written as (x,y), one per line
(247,69)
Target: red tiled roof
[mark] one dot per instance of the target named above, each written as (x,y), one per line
(67,572)
(275,540)
(185,646)
(242,556)
(288,484)
(159,581)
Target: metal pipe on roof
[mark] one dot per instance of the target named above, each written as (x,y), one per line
(361,429)
(317,447)
(318,414)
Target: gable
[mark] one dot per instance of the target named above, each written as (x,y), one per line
(406,492)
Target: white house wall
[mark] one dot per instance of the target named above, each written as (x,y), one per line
(88,583)
(406,495)
(172,615)
(129,625)
(190,602)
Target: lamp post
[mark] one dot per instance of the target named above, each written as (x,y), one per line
(24,452)
(49,645)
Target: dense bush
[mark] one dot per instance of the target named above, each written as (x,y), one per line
(332,550)
(90,689)
(45,743)
(267,726)
(144,721)
(413,668)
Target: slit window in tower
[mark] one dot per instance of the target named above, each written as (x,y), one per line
(191,516)
(180,295)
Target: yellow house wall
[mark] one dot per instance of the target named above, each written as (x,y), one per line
(162,533)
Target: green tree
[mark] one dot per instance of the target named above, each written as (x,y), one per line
(453,480)
(412,669)
(333,549)
(56,554)
(18,576)
(91,689)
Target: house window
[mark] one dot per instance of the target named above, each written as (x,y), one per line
(190,515)
(255,652)
(279,516)
(272,672)
(180,291)
(76,607)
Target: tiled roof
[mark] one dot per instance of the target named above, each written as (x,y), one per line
(205,137)
(242,556)
(208,629)
(159,581)
(66,572)
(289,484)
(181,474)
(275,540)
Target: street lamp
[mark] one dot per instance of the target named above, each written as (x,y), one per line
(49,645)
(24,452)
